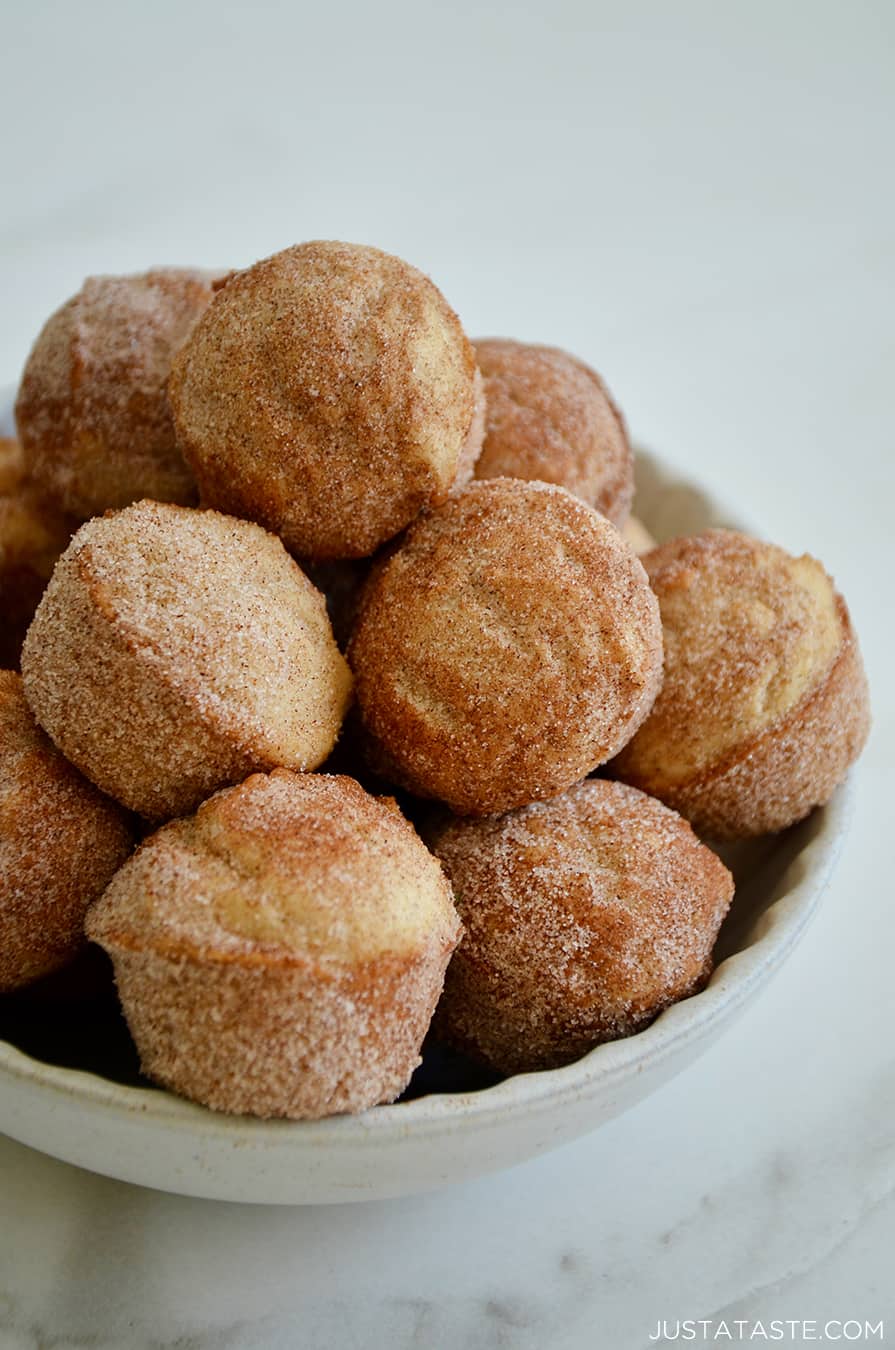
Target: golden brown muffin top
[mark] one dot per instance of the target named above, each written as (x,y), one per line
(749,631)
(60,842)
(550,417)
(601,887)
(285,867)
(508,646)
(31,767)
(92,410)
(214,609)
(328,393)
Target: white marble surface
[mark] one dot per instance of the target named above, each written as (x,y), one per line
(699,199)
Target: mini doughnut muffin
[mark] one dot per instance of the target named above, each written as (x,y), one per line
(330,394)
(92,410)
(281,952)
(765,703)
(32,536)
(509,646)
(176,651)
(637,535)
(584,917)
(550,417)
(61,842)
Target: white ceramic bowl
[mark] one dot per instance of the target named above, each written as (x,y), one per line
(146,1135)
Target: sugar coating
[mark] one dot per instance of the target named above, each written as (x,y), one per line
(551,418)
(508,646)
(92,409)
(764,704)
(291,865)
(60,843)
(176,651)
(281,952)
(584,917)
(328,393)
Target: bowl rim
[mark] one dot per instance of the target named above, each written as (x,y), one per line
(732,983)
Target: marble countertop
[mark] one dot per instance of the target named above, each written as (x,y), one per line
(699,200)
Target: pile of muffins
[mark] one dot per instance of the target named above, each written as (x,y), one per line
(281,546)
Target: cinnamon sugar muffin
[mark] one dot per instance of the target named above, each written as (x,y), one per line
(281,952)
(765,703)
(550,417)
(584,917)
(32,536)
(92,410)
(508,646)
(175,651)
(60,843)
(330,394)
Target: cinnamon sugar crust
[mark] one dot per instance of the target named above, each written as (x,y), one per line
(60,843)
(505,648)
(584,917)
(765,702)
(281,952)
(329,393)
(551,418)
(175,651)
(92,410)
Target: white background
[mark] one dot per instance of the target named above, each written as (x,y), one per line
(698,199)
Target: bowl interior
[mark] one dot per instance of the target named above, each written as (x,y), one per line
(68,1031)
(72,1021)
